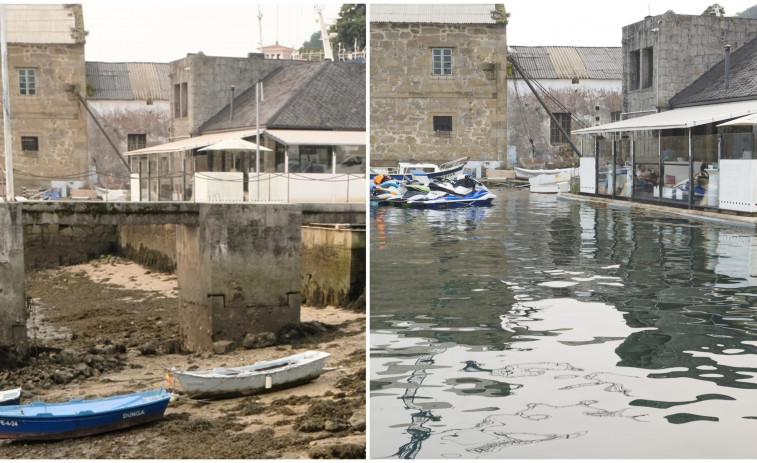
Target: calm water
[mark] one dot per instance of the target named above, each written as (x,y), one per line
(540,328)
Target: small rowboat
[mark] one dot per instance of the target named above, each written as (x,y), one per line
(78,417)
(259,377)
(10,397)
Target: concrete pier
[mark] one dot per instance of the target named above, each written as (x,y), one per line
(238,265)
(13,315)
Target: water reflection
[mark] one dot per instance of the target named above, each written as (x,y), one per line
(548,329)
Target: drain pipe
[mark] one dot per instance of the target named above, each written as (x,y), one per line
(727,64)
(231,103)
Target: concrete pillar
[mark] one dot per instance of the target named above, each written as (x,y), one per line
(13,339)
(238,272)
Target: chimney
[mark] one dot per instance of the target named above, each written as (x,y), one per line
(727,64)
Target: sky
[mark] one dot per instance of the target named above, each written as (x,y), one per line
(167,30)
(596,23)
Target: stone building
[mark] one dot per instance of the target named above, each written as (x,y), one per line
(581,86)
(663,54)
(438,86)
(130,111)
(46,74)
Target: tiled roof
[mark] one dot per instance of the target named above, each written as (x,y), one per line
(569,62)
(710,86)
(322,95)
(127,81)
(44,24)
(432,13)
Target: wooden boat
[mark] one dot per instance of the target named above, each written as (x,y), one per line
(10,397)
(423,171)
(259,377)
(78,417)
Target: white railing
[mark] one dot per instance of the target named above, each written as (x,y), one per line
(307,188)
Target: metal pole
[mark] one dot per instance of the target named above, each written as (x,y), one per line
(257,139)
(691,168)
(10,194)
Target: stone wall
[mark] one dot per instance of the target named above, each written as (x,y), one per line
(51,244)
(13,339)
(405,95)
(333,266)
(688,46)
(123,118)
(53,115)
(153,246)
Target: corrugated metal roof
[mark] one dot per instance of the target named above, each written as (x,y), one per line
(432,13)
(127,81)
(41,24)
(569,62)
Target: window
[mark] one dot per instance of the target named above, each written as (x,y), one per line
(555,136)
(635,68)
(615,116)
(136,141)
(180,100)
(648,71)
(442,61)
(29,144)
(442,123)
(27,82)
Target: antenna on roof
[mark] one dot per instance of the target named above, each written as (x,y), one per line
(328,52)
(260,28)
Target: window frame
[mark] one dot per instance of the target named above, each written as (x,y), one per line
(441,61)
(132,145)
(26,139)
(27,81)
(555,135)
(439,123)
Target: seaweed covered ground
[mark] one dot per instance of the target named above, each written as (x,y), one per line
(111,326)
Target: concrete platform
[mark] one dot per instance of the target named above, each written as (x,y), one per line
(704,216)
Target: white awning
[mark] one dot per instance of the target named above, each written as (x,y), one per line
(746,120)
(193,142)
(677,118)
(318,137)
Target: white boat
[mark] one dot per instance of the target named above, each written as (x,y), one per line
(422,171)
(10,397)
(525,174)
(111,195)
(550,183)
(259,377)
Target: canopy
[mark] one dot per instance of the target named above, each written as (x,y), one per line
(678,118)
(234,144)
(193,142)
(318,137)
(746,120)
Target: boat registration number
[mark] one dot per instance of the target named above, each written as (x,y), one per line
(8,423)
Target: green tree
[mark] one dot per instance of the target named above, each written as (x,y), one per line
(313,44)
(350,26)
(714,10)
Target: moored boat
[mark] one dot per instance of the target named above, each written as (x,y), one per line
(421,170)
(10,397)
(525,174)
(251,379)
(550,183)
(464,191)
(79,417)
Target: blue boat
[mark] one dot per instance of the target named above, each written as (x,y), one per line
(79,417)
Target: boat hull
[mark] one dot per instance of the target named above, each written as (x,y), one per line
(253,379)
(24,425)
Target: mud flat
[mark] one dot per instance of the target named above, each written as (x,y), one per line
(111,327)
